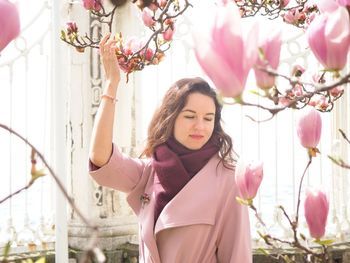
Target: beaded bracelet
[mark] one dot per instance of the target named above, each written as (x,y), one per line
(114,100)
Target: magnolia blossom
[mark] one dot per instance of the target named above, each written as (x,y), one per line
(9,23)
(293,16)
(149,53)
(336,91)
(225,55)
(147,17)
(309,125)
(284,3)
(93,5)
(132,45)
(169,33)
(248,178)
(329,37)
(72,28)
(344,2)
(316,207)
(162,3)
(270,45)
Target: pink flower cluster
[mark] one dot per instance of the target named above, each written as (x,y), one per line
(300,16)
(131,52)
(93,5)
(149,18)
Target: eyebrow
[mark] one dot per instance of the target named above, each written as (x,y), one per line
(192,111)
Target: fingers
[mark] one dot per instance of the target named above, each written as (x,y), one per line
(110,45)
(107,45)
(104,40)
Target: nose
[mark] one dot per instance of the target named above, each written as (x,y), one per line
(199,125)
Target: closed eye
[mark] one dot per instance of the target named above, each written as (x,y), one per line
(189,117)
(208,119)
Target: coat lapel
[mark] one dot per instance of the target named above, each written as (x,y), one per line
(195,203)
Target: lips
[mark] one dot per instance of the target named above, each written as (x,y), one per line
(196,136)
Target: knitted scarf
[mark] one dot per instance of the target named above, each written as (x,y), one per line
(174,166)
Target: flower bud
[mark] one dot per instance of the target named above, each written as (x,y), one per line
(147,17)
(92,5)
(316,208)
(309,126)
(248,178)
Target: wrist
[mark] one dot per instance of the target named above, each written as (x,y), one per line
(111,87)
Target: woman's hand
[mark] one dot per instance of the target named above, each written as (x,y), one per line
(109,59)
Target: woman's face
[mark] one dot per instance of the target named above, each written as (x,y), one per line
(195,123)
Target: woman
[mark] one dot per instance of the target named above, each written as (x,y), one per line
(184,191)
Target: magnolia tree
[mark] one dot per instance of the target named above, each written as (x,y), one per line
(233,54)
(227,55)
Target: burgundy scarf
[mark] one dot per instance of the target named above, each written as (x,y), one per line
(175,165)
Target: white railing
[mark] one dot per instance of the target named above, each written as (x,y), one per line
(25,106)
(27,219)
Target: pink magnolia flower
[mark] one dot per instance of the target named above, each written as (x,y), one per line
(344,2)
(132,45)
(147,17)
(149,53)
(329,38)
(71,28)
(225,55)
(270,46)
(284,3)
(296,91)
(248,178)
(162,3)
(316,208)
(309,126)
(93,5)
(336,91)
(169,33)
(283,101)
(153,7)
(9,23)
(293,16)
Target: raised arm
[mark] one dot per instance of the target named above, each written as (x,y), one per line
(102,133)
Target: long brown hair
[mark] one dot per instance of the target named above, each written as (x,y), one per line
(162,124)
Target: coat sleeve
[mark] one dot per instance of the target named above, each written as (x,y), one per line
(234,239)
(121,172)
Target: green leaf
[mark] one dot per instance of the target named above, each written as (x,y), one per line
(41,260)
(261,54)
(63,34)
(336,159)
(287,259)
(325,242)
(7,249)
(258,92)
(263,251)
(244,201)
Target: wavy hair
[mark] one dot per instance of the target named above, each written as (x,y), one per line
(162,124)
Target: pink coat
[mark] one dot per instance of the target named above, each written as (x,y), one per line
(203,223)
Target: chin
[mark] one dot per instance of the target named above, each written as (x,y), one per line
(194,147)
